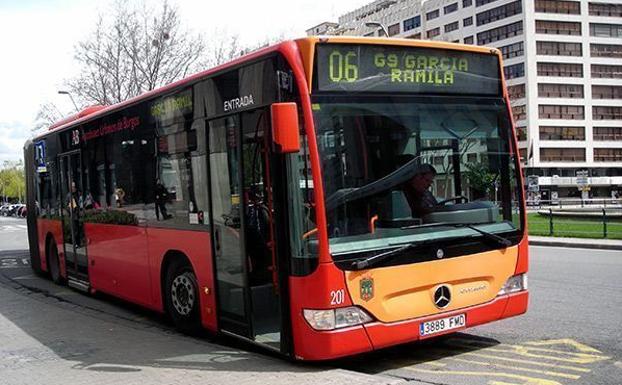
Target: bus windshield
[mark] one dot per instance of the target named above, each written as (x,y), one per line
(401,170)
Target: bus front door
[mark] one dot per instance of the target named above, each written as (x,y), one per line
(249,299)
(72,198)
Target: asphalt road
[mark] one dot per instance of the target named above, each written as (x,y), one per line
(571,335)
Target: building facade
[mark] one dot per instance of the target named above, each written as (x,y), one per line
(563,66)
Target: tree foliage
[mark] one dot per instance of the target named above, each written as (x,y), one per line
(135,49)
(12,181)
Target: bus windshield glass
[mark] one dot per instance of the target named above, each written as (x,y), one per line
(410,169)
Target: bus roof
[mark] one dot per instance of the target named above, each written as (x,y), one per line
(306,47)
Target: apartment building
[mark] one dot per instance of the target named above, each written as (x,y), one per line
(563,66)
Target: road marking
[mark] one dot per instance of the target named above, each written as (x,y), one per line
(529,370)
(526,380)
(13,263)
(565,341)
(507,370)
(528,362)
(533,352)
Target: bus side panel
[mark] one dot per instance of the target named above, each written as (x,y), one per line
(196,245)
(53,227)
(118,261)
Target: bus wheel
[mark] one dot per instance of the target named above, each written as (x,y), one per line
(182,297)
(54,264)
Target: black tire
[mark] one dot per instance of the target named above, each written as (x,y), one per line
(181,297)
(54,264)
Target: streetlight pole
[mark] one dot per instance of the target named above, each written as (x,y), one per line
(374,24)
(70,97)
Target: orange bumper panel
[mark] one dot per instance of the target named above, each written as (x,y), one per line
(388,334)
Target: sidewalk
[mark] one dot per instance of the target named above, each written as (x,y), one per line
(584,243)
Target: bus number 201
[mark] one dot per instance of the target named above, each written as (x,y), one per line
(337,297)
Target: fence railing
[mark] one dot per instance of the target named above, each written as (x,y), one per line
(577,221)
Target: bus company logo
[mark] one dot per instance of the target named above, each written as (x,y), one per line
(241,102)
(367,288)
(442,296)
(440,253)
(75,137)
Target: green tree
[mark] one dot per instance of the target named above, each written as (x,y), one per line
(12,181)
(481,180)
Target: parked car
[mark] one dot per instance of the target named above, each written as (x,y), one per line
(4,209)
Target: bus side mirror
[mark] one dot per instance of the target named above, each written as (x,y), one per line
(285,134)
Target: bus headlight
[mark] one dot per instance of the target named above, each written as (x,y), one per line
(514,284)
(336,318)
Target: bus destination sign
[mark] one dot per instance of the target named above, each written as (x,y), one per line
(372,68)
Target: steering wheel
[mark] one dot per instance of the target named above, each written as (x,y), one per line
(457,198)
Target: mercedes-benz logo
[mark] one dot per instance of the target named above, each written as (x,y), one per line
(442,296)
(440,254)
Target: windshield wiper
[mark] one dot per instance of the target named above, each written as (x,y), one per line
(374,259)
(501,241)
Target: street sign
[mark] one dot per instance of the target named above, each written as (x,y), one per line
(532,183)
(582,180)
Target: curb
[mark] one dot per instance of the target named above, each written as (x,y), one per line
(599,246)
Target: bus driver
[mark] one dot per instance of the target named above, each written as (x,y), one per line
(421,201)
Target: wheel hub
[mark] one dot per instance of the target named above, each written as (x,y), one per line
(182,294)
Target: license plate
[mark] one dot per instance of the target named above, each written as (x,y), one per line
(441,325)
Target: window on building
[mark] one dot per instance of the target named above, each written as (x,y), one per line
(512,50)
(558,6)
(467,21)
(519,112)
(607,134)
(607,71)
(556,48)
(516,91)
(546,111)
(558,27)
(414,36)
(562,133)
(605,30)
(412,23)
(500,33)
(606,113)
(467,3)
(521,133)
(606,50)
(451,26)
(572,70)
(433,32)
(479,3)
(606,92)
(499,13)
(514,71)
(605,9)
(608,155)
(562,154)
(394,29)
(546,90)
(432,15)
(468,40)
(450,8)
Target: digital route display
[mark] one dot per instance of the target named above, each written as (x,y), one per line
(374,68)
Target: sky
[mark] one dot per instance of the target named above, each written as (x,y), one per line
(37,40)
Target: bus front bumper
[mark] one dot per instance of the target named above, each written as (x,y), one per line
(320,345)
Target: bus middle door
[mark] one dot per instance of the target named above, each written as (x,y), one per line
(246,270)
(72,200)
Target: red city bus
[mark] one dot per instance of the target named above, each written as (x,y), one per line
(321,197)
